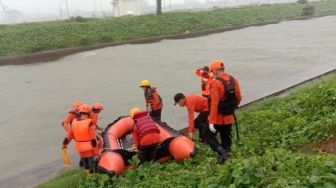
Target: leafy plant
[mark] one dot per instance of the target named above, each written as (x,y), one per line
(308,10)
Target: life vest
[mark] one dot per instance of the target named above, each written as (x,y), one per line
(155,102)
(228,104)
(205,84)
(84,135)
(145,124)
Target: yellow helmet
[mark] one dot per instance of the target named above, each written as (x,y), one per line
(133,111)
(145,83)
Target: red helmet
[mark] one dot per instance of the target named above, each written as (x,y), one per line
(217,65)
(84,108)
(98,106)
(77,104)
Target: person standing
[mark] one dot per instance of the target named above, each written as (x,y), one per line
(83,131)
(225,97)
(153,100)
(206,79)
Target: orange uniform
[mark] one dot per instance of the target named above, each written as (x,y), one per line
(83,131)
(94,113)
(217,93)
(153,99)
(145,131)
(195,103)
(205,81)
(94,117)
(68,120)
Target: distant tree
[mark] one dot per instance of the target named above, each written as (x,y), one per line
(302,1)
(158,7)
(308,10)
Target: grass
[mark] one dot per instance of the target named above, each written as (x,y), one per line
(271,132)
(35,37)
(68,179)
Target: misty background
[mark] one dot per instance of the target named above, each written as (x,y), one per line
(21,11)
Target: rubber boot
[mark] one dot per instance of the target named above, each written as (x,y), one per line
(223,155)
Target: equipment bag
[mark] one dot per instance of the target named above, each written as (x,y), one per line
(228,104)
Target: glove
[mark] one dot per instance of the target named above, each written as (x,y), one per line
(212,128)
(64,146)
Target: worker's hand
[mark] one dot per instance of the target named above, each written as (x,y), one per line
(133,148)
(64,146)
(212,128)
(190,135)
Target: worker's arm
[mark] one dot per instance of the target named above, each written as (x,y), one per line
(214,95)
(67,120)
(135,136)
(191,111)
(199,72)
(237,92)
(67,139)
(149,100)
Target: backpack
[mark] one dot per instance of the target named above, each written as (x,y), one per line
(228,104)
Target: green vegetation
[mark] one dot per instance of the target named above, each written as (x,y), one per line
(308,10)
(271,132)
(68,179)
(35,37)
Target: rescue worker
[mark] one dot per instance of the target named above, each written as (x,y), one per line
(72,114)
(206,79)
(225,97)
(96,109)
(83,131)
(153,100)
(195,103)
(146,135)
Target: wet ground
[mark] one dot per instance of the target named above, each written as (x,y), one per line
(35,98)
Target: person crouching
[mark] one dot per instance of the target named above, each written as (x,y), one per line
(146,134)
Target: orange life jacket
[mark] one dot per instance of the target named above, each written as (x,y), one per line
(84,133)
(206,79)
(153,99)
(145,130)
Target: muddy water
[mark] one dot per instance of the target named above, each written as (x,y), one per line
(35,98)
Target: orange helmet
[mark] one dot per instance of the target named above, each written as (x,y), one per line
(77,104)
(98,106)
(217,65)
(84,108)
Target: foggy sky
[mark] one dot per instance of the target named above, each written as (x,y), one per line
(52,6)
